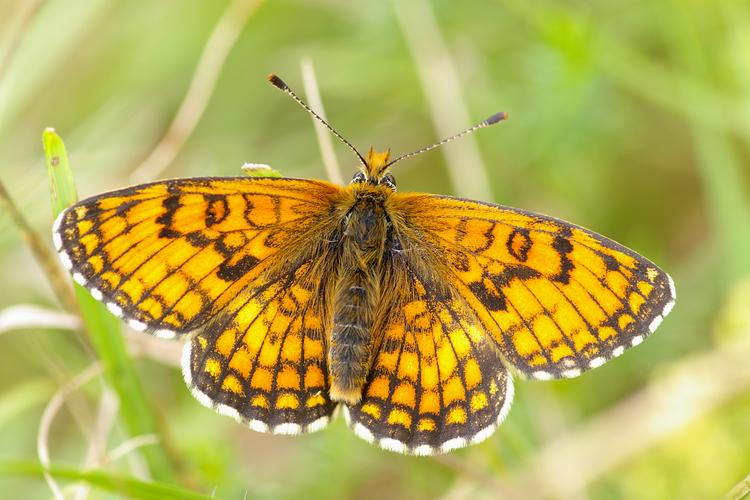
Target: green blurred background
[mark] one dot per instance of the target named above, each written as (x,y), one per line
(629,118)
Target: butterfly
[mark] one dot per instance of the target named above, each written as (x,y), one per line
(407,311)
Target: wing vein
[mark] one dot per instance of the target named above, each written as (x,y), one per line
(544,231)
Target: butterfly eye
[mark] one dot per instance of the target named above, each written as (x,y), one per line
(359,177)
(389,180)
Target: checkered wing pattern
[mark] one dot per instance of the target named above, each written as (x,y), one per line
(555,298)
(262,360)
(170,255)
(437,381)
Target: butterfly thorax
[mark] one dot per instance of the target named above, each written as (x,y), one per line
(363,245)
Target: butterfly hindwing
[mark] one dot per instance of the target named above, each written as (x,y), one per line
(556,298)
(167,256)
(263,359)
(436,383)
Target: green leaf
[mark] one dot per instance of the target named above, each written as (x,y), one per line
(260,170)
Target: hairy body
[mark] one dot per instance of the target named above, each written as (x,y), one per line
(358,291)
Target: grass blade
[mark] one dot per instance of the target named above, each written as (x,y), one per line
(122,485)
(103,328)
(62,188)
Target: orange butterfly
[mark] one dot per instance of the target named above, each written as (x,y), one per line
(407,310)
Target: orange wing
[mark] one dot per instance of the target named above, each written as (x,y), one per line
(557,299)
(437,382)
(262,359)
(167,256)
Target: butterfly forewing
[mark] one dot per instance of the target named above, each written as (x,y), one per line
(167,256)
(557,299)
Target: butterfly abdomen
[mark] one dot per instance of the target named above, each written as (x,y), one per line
(356,298)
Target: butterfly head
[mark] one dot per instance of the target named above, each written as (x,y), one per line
(375,170)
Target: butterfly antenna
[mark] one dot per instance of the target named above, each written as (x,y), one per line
(496,118)
(281,85)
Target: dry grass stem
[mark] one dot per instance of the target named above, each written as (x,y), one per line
(131,445)
(441,84)
(48,417)
(23,316)
(740,490)
(202,85)
(15,34)
(325,141)
(690,390)
(46,259)
(105,421)
(167,352)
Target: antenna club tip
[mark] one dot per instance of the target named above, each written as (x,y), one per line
(277,82)
(497,117)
